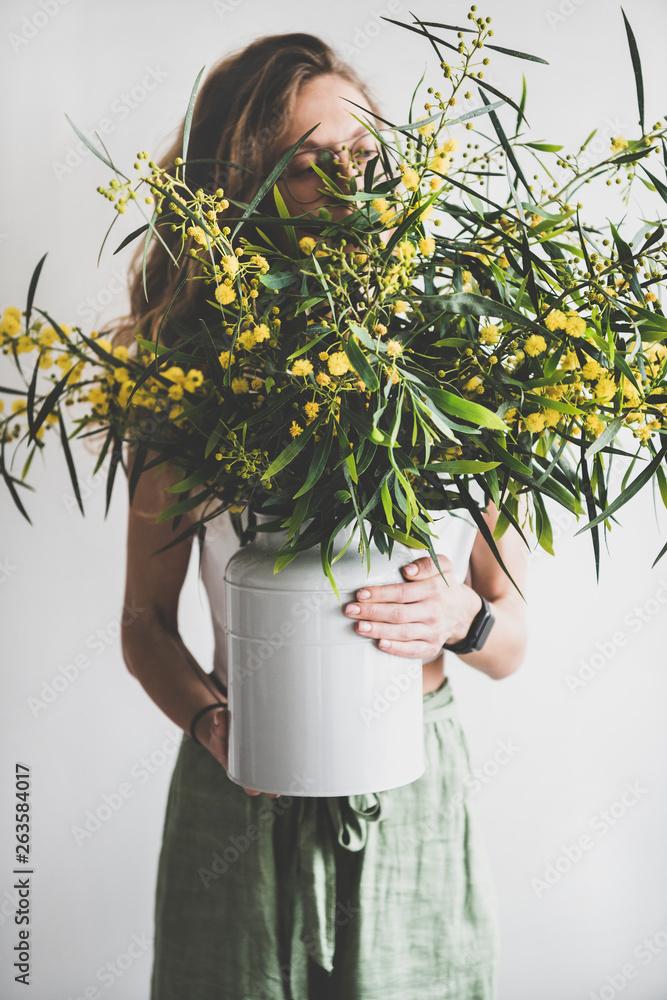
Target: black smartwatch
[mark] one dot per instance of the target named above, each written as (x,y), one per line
(477,633)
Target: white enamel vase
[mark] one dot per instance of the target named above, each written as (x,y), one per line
(315,708)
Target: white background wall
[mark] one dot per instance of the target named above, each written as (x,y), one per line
(575,751)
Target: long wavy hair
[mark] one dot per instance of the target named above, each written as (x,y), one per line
(243,107)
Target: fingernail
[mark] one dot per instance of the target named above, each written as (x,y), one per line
(384,644)
(364,626)
(353,609)
(411,569)
(363,594)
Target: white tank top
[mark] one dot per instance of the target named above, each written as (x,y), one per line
(455,530)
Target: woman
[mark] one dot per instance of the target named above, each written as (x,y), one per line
(265,897)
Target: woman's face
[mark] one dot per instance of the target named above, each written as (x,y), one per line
(320,99)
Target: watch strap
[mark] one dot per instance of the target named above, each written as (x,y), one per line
(477,633)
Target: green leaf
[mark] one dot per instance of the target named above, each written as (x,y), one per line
(544,531)
(358,360)
(387,502)
(544,147)
(48,404)
(86,141)
(116,456)
(9,482)
(31,291)
(281,279)
(130,238)
(460,466)
(606,437)
(500,132)
(465,408)
(289,453)
(188,114)
(147,239)
(139,459)
(212,359)
(70,461)
(627,494)
(522,102)
(319,461)
(637,67)
(284,213)
(659,186)
(197,478)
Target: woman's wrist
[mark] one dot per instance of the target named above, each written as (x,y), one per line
(472,607)
(204,720)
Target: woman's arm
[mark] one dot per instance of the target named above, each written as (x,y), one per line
(415,618)
(152,647)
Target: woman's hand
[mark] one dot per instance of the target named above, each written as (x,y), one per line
(213,733)
(415,618)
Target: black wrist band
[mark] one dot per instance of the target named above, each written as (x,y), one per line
(198,715)
(477,633)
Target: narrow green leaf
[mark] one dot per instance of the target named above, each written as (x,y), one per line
(116,456)
(138,463)
(359,362)
(606,437)
(132,236)
(31,291)
(659,186)
(627,494)
(48,404)
(9,482)
(319,461)
(500,132)
(289,453)
(86,141)
(212,359)
(465,408)
(387,502)
(460,467)
(187,124)
(637,67)
(70,461)
(544,147)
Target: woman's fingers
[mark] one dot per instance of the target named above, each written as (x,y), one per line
(405,632)
(403,595)
(417,649)
(423,610)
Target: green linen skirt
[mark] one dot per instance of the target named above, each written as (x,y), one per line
(386,896)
